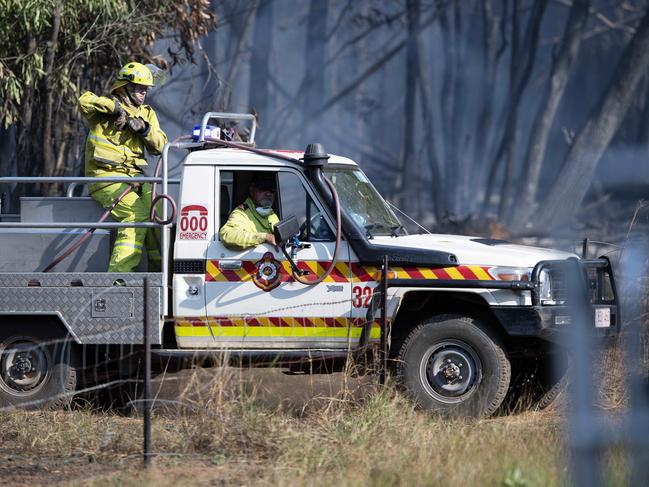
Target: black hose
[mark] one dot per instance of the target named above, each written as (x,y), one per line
(152,215)
(155,198)
(332,264)
(87,235)
(334,193)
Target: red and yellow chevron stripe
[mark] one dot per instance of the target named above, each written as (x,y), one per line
(343,273)
(257,326)
(248,269)
(361,273)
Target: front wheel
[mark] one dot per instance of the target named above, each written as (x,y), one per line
(36,368)
(454,366)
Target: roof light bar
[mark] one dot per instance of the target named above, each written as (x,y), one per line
(224,116)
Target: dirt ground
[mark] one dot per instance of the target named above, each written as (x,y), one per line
(263,426)
(271,387)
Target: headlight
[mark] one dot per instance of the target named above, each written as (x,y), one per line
(510,273)
(552,290)
(545,289)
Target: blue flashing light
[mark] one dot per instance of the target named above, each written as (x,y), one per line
(211,132)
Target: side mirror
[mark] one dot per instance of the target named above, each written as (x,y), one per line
(285,230)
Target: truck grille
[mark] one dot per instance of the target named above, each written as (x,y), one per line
(600,287)
(560,291)
(595,283)
(189,266)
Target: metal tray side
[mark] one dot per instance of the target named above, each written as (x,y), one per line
(88,304)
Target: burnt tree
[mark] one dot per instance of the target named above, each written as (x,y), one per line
(561,68)
(260,61)
(592,140)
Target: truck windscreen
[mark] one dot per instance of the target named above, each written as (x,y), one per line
(362,202)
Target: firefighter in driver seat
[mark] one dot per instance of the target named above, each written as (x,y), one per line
(251,223)
(121,127)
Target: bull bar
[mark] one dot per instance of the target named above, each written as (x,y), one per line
(592,290)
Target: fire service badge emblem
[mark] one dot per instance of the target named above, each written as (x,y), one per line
(268,272)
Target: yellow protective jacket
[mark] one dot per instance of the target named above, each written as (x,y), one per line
(110,149)
(246,228)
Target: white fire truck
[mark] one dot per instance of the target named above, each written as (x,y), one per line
(467,321)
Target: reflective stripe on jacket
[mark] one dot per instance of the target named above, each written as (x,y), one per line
(246,228)
(110,149)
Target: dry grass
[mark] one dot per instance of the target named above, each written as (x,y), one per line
(241,428)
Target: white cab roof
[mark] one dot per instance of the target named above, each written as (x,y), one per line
(234,157)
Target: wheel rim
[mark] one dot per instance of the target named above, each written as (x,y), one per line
(450,371)
(24,366)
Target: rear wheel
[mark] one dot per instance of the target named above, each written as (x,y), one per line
(455,366)
(36,368)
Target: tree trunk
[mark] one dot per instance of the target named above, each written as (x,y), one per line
(349,88)
(406,179)
(523,56)
(27,156)
(307,99)
(429,133)
(446,103)
(561,67)
(458,112)
(64,139)
(467,165)
(211,45)
(239,33)
(642,132)
(48,79)
(483,123)
(581,161)
(260,62)
(530,46)
(7,154)
(314,63)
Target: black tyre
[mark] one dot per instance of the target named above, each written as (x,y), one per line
(551,392)
(536,383)
(454,366)
(36,367)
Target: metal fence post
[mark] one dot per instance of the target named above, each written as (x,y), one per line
(147,376)
(585,426)
(636,429)
(384,306)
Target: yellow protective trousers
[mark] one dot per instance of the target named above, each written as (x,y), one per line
(130,242)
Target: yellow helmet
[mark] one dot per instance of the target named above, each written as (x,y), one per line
(133,73)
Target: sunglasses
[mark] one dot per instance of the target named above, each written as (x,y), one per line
(139,88)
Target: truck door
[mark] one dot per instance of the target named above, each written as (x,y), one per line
(195,229)
(252,299)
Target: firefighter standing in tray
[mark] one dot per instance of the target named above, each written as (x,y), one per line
(121,126)
(252,222)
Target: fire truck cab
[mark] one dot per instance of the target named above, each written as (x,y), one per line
(468,321)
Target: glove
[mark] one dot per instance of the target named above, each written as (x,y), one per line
(137,125)
(119,115)
(120,119)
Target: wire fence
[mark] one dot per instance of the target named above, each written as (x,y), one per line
(122,375)
(119,376)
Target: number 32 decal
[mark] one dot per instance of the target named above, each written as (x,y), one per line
(361,296)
